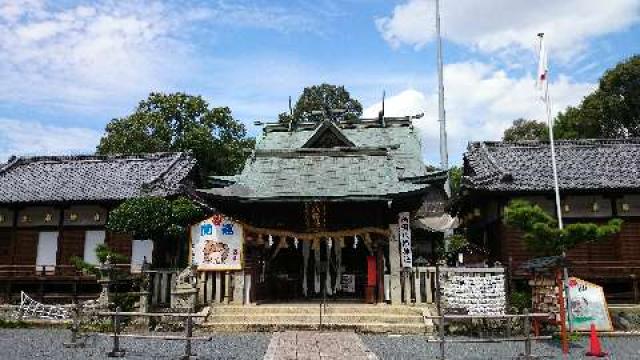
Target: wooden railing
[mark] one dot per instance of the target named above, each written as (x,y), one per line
(213,287)
(18,272)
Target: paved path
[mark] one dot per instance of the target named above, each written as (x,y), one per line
(308,345)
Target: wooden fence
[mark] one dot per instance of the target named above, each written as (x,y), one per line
(419,285)
(213,287)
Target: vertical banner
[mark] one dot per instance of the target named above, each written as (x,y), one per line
(404,235)
(216,244)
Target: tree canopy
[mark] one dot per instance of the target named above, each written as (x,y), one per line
(323,98)
(541,232)
(523,129)
(180,122)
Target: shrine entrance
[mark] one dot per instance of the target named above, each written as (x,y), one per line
(293,270)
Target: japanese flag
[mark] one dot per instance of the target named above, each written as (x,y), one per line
(543,68)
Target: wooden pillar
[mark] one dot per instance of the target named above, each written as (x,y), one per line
(227,286)
(380,271)
(219,288)
(394,265)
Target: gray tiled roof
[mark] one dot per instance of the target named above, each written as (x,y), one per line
(375,167)
(92,177)
(526,166)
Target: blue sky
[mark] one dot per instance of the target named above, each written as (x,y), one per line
(68,67)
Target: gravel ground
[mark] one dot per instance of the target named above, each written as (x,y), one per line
(47,344)
(414,347)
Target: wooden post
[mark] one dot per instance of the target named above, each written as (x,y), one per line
(394,265)
(527,334)
(636,288)
(115,322)
(218,287)
(227,286)
(416,284)
(563,313)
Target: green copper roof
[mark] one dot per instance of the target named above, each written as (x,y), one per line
(279,168)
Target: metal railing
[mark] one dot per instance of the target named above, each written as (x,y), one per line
(526,338)
(118,351)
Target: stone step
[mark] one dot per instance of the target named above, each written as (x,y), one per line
(373,327)
(315,308)
(341,318)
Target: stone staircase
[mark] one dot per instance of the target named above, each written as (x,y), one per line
(394,319)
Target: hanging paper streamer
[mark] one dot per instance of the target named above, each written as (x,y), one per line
(306,247)
(355,241)
(270,240)
(316,273)
(327,275)
(295,242)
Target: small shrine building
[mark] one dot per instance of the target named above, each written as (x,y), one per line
(327,208)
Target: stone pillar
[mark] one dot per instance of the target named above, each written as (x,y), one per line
(238,287)
(394,265)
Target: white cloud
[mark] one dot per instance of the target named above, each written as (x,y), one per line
(481,102)
(502,25)
(33,138)
(100,56)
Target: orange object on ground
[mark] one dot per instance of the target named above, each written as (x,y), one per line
(594,344)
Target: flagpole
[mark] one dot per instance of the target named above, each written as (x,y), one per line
(555,182)
(444,156)
(551,141)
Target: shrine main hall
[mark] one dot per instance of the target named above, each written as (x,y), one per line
(334,208)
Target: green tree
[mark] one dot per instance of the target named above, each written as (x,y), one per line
(523,129)
(323,98)
(455,179)
(541,232)
(181,122)
(612,110)
(154,217)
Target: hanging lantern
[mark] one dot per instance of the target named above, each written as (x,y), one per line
(295,242)
(96,217)
(355,241)
(48,217)
(625,207)
(595,207)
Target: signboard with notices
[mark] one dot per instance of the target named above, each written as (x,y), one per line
(404,235)
(588,306)
(216,244)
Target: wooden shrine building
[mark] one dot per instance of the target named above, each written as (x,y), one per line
(55,207)
(320,205)
(599,180)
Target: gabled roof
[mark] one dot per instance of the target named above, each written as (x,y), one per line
(583,165)
(327,132)
(382,162)
(93,177)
